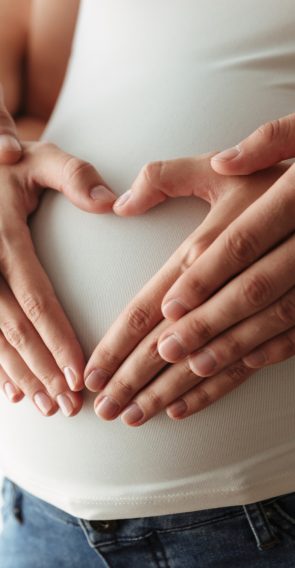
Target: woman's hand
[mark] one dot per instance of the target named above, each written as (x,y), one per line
(10,147)
(129,351)
(40,356)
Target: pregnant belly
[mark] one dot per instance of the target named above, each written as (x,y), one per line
(97,264)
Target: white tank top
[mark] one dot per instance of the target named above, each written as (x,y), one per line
(149,80)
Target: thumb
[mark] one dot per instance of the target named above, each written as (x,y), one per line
(10,148)
(158,181)
(269,144)
(78,180)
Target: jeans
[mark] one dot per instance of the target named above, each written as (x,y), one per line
(38,535)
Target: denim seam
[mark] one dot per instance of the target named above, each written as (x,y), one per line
(284,514)
(130,539)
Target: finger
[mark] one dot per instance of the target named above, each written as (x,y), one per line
(245,337)
(24,379)
(270,143)
(254,289)
(143,313)
(10,147)
(35,295)
(248,237)
(77,179)
(22,337)
(131,377)
(156,396)
(209,390)
(273,351)
(158,181)
(10,389)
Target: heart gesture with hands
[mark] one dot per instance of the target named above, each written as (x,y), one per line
(40,356)
(224,291)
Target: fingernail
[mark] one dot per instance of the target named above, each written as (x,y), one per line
(97,380)
(177,409)
(70,377)
(9,144)
(132,414)
(123,198)
(43,402)
(228,154)
(171,349)
(203,363)
(174,309)
(255,359)
(102,193)
(65,404)
(107,408)
(10,391)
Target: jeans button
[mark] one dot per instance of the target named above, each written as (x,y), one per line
(104,526)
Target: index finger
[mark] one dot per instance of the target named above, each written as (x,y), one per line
(246,239)
(35,295)
(138,318)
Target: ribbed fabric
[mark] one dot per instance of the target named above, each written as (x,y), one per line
(153,80)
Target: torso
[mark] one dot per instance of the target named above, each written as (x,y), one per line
(147,81)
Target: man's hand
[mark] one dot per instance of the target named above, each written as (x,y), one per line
(271,143)
(10,147)
(40,356)
(131,352)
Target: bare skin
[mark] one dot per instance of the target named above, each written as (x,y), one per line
(30,73)
(40,354)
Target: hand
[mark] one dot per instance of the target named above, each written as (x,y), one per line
(40,356)
(269,144)
(10,147)
(129,351)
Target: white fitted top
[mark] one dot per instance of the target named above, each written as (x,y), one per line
(153,80)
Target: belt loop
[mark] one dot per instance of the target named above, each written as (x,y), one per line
(264,535)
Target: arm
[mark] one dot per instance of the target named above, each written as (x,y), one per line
(39,350)
(32,74)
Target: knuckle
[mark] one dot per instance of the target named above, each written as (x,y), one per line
(240,246)
(57,350)
(16,333)
(152,173)
(233,346)
(51,382)
(270,131)
(109,361)
(75,169)
(285,310)
(201,330)
(139,318)
(155,402)
(202,397)
(236,374)
(196,286)
(257,289)
(190,255)
(34,306)
(124,388)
